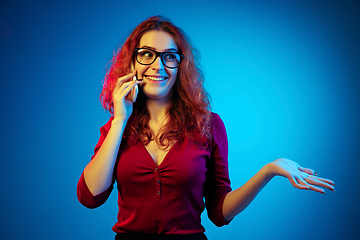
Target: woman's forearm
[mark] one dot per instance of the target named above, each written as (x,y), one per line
(299,177)
(237,200)
(99,172)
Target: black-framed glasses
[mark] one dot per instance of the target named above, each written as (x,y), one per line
(147,56)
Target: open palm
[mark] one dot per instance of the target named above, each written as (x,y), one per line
(300,177)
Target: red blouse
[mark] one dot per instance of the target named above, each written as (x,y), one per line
(167,199)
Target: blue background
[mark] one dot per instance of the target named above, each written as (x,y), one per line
(283,75)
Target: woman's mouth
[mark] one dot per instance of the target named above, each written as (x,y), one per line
(155,78)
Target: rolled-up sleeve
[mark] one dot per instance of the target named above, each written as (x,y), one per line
(84,195)
(217,184)
(86,198)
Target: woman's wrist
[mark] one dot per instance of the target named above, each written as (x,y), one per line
(119,124)
(269,170)
(118,121)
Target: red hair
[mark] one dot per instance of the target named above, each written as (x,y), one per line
(190,112)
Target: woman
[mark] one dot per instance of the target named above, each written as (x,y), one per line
(168,150)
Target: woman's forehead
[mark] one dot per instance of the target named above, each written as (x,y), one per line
(158,40)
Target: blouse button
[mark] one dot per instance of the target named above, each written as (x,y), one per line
(158,192)
(156,169)
(158,181)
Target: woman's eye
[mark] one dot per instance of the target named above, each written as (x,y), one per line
(146,54)
(170,57)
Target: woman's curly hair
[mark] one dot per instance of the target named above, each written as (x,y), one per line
(189,114)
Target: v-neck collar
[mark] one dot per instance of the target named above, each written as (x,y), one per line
(149,157)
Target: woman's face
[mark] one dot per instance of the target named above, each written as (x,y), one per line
(158,79)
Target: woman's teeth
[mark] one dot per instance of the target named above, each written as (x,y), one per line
(155,78)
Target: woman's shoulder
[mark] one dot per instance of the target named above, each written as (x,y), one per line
(216,120)
(218,126)
(215,116)
(219,135)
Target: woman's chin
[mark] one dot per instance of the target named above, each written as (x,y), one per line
(156,94)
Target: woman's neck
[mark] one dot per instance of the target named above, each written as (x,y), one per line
(158,110)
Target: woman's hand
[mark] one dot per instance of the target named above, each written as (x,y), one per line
(300,177)
(123,107)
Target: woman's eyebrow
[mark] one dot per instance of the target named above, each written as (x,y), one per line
(171,49)
(166,50)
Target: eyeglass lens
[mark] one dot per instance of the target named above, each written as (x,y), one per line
(147,57)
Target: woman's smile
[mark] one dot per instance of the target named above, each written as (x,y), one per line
(155,78)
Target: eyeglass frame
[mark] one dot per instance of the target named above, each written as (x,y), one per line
(157,54)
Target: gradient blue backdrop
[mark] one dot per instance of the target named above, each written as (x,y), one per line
(283,75)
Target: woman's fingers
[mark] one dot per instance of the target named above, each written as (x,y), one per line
(312,183)
(324,180)
(303,182)
(316,181)
(123,82)
(122,106)
(317,189)
(125,78)
(124,90)
(300,183)
(295,183)
(307,170)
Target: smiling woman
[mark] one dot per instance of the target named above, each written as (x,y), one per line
(167,151)
(158,79)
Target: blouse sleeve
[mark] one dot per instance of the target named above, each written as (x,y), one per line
(84,195)
(217,184)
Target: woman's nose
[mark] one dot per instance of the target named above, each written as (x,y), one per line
(157,65)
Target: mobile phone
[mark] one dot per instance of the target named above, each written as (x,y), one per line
(134,91)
